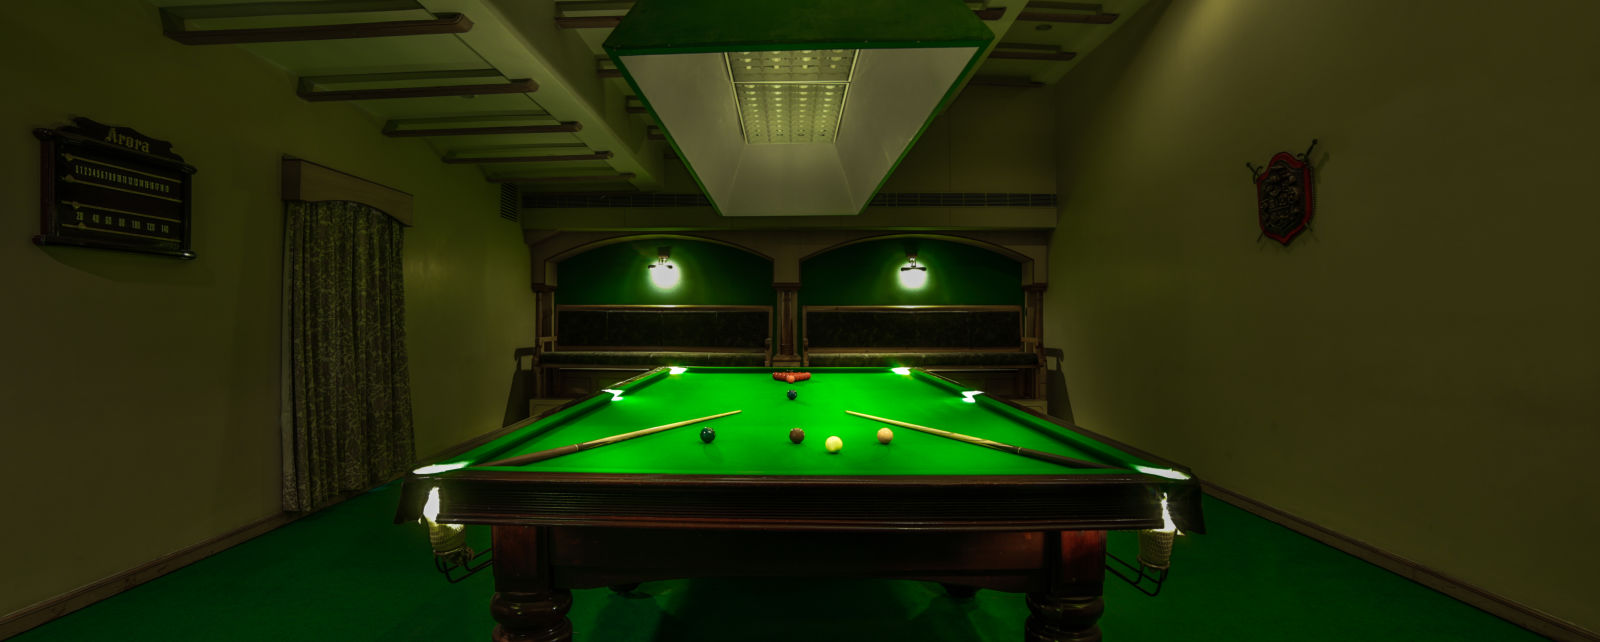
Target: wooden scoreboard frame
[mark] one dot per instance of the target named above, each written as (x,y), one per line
(113,188)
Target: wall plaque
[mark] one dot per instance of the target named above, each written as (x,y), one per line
(1284,196)
(113,188)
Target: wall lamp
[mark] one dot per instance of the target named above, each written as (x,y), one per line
(913,276)
(662,254)
(663,274)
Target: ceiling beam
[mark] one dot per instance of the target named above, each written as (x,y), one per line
(569,89)
(288,8)
(1005,81)
(308,86)
(444,23)
(594,178)
(610,22)
(565,7)
(1076,18)
(588,22)
(1090,7)
(1015,54)
(528,159)
(396,129)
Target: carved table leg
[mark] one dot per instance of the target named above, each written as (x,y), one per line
(532,617)
(1070,606)
(526,606)
(1055,618)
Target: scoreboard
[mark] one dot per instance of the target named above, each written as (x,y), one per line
(113,188)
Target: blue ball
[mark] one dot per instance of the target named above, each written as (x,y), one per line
(792,395)
(707,434)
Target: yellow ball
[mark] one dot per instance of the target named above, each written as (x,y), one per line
(834,444)
(885,435)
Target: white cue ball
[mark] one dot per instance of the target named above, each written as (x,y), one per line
(834,444)
(885,435)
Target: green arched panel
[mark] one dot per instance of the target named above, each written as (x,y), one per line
(709,274)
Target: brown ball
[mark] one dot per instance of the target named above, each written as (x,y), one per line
(797,435)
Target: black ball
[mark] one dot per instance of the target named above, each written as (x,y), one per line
(792,395)
(707,434)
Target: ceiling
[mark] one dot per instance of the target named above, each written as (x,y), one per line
(523,88)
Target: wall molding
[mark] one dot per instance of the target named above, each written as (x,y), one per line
(1517,613)
(304,180)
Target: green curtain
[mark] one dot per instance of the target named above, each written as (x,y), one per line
(347,414)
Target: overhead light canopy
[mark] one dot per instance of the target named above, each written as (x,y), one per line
(795,107)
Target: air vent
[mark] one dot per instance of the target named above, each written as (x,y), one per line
(551,200)
(508,202)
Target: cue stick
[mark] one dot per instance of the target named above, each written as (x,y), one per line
(995,445)
(603,441)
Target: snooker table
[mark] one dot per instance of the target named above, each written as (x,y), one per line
(752,504)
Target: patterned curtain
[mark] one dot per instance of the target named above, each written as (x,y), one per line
(347,399)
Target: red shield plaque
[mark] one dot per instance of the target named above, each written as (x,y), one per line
(1283,197)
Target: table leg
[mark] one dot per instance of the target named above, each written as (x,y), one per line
(1055,618)
(526,606)
(532,617)
(1070,609)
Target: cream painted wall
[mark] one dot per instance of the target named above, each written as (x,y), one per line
(1420,371)
(990,139)
(138,394)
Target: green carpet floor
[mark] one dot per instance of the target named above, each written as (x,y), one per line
(347,574)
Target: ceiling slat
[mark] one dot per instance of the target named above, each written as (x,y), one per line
(444,23)
(1004,81)
(588,22)
(309,91)
(596,178)
(1032,55)
(1076,18)
(263,9)
(529,159)
(394,130)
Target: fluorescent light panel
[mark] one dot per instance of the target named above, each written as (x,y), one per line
(802,65)
(790,96)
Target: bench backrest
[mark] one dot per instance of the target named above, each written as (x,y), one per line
(661,327)
(934,327)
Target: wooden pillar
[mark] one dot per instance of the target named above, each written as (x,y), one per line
(544,332)
(1033,320)
(788,298)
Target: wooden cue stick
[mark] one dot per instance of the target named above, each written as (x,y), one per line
(603,441)
(989,443)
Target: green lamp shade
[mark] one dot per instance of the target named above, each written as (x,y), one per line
(792,108)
